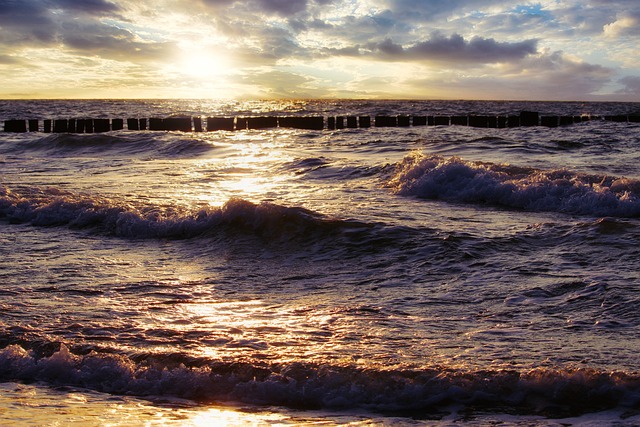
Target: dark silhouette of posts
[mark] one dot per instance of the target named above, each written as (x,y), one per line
(364,121)
(549,121)
(441,120)
(386,121)
(419,120)
(241,123)
(60,126)
(529,118)
(197,124)
(16,126)
(219,123)
(33,126)
(133,124)
(262,122)
(101,125)
(459,120)
(117,124)
(479,121)
(297,122)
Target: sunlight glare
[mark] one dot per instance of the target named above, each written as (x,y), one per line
(201,66)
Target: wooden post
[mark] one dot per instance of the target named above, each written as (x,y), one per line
(331,123)
(60,126)
(133,124)
(352,122)
(419,120)
(529,118)
(479,121)
(197,124)
(117,124)
(459,120)
(101,125)
(16,126)
(241,123)
(364,121)
(296,122)
(219,123)
(549,121)
(441,120)
(80,125)
(88,125)
(33,126)
(386,121)
(264,122)
(403,121)
(156,124)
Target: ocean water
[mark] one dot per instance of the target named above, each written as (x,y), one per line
(432,275)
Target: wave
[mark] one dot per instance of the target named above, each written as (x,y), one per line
(302,385)
(457,180)
(273,222)
(327,169)
(121,144)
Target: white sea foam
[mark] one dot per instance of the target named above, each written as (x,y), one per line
(457,180)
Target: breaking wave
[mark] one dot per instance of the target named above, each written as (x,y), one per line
(53,207)
(457,180)
(301,385)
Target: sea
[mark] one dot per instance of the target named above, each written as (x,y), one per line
(391,276)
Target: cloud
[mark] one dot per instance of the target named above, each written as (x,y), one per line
(627,24)
(97,7)
(279,7)
(439,48)
(542,48)
(96,39)
(631,85)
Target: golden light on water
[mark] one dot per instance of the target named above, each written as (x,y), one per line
(246,172)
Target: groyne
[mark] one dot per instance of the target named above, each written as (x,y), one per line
(235,123)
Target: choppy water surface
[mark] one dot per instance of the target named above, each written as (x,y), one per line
(382,275)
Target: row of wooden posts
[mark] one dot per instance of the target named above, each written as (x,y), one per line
(197,124)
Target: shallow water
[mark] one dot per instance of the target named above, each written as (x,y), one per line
(385,275)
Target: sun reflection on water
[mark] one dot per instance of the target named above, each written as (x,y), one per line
(247,169)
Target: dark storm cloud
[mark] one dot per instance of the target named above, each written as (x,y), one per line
(453,49)
(23,21)
(76,25)
(38,21)
(87,6)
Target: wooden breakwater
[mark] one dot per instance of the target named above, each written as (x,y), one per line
(211,124)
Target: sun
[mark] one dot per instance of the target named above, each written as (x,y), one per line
(202,66)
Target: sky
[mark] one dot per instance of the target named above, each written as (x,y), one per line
(570,50)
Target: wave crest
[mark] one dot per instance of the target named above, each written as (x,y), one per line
(457,180)
(52,207)
(423,392)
